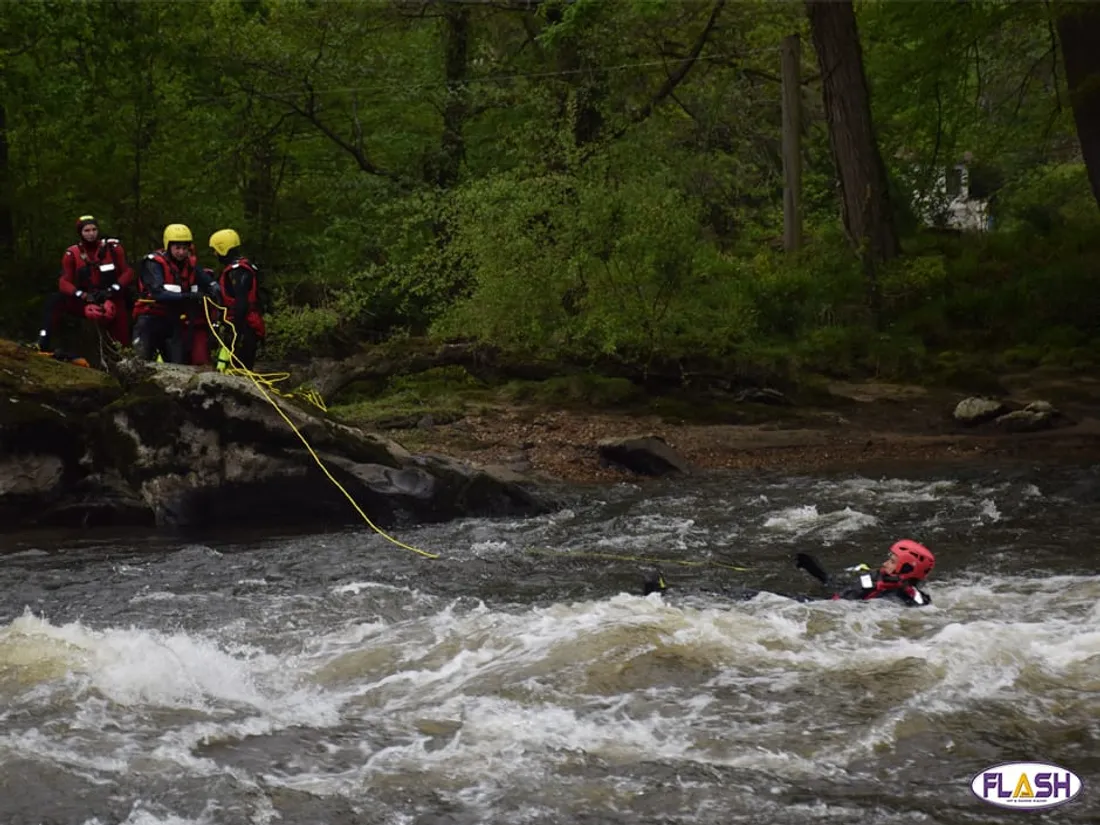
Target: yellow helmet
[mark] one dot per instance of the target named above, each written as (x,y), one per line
(223,240)
(176,233)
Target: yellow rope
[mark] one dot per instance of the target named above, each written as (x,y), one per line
(263,386)
(649,559)
(265,382)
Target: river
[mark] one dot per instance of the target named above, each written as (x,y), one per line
(335,678)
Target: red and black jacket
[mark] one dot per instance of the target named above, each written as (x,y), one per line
(240,289)
(100,266)
(875,586)
(165,281)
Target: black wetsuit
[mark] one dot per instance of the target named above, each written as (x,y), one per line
(867,586)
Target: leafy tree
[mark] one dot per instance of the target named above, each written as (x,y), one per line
(598,179)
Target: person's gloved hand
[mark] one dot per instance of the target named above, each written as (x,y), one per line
(100,295)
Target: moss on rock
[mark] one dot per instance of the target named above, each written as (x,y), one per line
(25,371)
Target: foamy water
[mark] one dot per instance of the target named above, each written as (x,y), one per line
(307,680)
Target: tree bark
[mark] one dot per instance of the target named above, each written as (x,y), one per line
(7,222)
(1079,30)
(456,43)
(259,192)
(585,88)
(792,138)
(865,200)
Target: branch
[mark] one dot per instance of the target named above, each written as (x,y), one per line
(977,76)
(532,34)
(760,73)
(1021,92)
(767,76)
(674,79)
(502,5)
(676,99)
(419,8)
(931,178)
(357,126)
(308,112)
(1054,56)
(360,157)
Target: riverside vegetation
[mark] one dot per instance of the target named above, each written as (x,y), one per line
(597,186)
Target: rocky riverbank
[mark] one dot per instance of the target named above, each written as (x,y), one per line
(871,426)
(170,446)
(175,446)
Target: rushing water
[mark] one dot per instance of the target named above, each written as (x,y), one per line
(335,678)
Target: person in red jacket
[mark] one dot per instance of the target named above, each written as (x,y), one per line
(239,282)
(907,565)
(93,283)
(168,315)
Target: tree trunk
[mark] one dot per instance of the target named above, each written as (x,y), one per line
(791,52)
(1079,31)
(7,223)
(585,87)
(865,200)
(456,45)
(260,191)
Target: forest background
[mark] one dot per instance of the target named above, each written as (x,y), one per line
(593,181)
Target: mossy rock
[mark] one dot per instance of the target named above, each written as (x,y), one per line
(41,392)
(365,389)
(702,409)
(580,390)
(399,413)
(965,372)
(443,394)
(813,391)
(24,371)
(1023,356)
(974,380)
(1073,358)
(154,413)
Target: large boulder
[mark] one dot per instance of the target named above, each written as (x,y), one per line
(976,410)
(171,445)
(648,455)
(1009,417)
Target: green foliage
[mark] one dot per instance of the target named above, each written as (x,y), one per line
(579,265)
(975,80)
(1048,197)
(550,193)
(298,331)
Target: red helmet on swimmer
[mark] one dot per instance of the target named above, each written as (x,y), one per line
(912,561)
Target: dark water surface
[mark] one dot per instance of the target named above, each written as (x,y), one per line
(337,678)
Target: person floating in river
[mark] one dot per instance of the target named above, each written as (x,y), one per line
(907,565)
